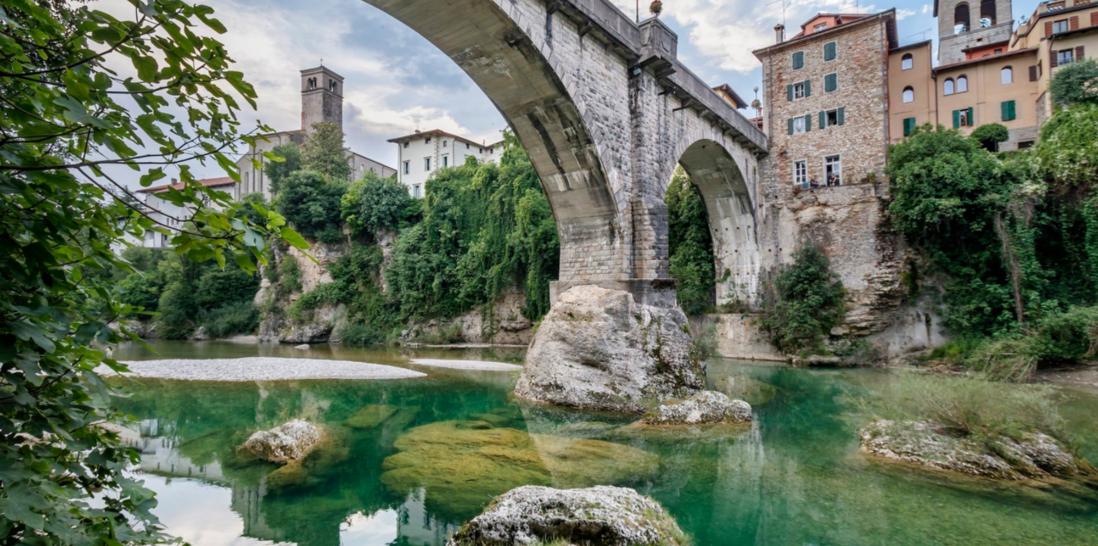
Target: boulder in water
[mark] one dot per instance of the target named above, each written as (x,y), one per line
(599,349)
(706,407)
(1033,455)
(288,442)
(598,515)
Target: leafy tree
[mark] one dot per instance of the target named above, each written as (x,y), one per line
(323,152)
(67,116)
(804,303)
(1076,83)
(311,203)
(690,245)
(1068,147)
(991,135)
(376,204)
(287,160)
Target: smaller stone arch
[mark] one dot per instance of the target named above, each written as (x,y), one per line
(732,223)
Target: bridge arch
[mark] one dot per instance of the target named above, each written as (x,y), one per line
(514,50)
(729,202)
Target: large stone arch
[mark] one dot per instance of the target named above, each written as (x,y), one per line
(524,58)
(730,204)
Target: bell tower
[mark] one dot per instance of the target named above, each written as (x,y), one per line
(970,24)
(321,98)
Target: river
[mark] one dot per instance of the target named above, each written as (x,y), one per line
(414,458)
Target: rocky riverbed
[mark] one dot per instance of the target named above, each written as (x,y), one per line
(261,369)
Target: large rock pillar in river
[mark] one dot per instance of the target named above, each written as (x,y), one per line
(601,349)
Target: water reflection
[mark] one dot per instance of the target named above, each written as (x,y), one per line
(418,457)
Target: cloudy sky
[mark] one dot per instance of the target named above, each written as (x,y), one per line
(397,82)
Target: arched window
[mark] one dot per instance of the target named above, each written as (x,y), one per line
(987,10)
(961,20)
(948,87)
(962,84)
(909,94)
(907,62)
(1006,75)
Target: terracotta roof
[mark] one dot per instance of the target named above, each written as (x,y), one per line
(176,185)
(842,17)
(889,15)
(725,88)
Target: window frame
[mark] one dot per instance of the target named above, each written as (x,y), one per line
(802,163)
(803,121)
(914,124)
(828,163)
(1061,25)
(834,45)
(407,166)
(949,87)
(427,164)
(797,60)
(908,91)
(907,62)
(1006,75)
(1070,52)
(833,78)
(1010,106)
(803,90)
(962,83)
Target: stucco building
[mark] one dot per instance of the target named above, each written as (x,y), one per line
(422,153)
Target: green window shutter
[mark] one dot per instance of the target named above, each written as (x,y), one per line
(807,122)
(830,51)
(789,92)
(841,116)
(909,126)
(823,120)
(971,118)
(831,82)
(790,125)
(798,60)
(1009,112)
(808,88)
(956,119)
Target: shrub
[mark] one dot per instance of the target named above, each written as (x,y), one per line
(968,406)
(690,245)
(277,171)
(1076,83)
(1066,152)
(231,319)
(1004,359)
(376,204)
(991,135)
(216,287)
(1068,337)
(310,202)
(324,152)
(804,303)
(178,311)
(357,334)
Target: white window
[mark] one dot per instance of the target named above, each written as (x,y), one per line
(833,170)
(415,191)
(800,173)
(909,95)
(799,91)
(799,125)
(427,164)
(948,88)
(962,84)
(407,167)
(445,160)
(819,27)
(1060,26)
(1065,56)
(907,62)
(1006,76)
(445,143)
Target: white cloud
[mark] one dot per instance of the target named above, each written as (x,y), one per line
(927,8)
(902,14)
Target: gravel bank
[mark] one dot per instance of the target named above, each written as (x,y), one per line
(263,369)
(477,365)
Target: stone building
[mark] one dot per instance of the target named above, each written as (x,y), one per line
(826,91)
(422,153)
(965,25)
(1059,33)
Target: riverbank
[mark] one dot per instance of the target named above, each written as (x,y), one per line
(261,369)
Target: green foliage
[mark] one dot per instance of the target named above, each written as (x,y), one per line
(1068,337)
(1076,83)
(68,114)
(969,406)
(277,171)
(231,319)
(311,203)
(991,135)
(690,245)
(376,204)
(204,295)
(1008,358)
(485,228)
(324,153)
(1066,153)
(804,303)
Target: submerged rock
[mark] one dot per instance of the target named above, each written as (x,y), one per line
(706,407)
(371,416)
(1033,456)
(464,464)
(601,515)
(599,349)
(288,442)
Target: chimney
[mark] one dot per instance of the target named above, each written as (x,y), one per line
(779,32)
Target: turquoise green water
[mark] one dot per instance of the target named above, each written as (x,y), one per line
(427,454)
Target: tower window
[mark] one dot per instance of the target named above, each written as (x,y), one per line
(332,86)
(987,11)
(909,95)
(907,62)
(961,20)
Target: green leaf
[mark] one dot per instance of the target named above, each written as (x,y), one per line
(294,239)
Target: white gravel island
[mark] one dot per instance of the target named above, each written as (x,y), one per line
(471,365)
(261,369)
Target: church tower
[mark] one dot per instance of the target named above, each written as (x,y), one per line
(321,98)
(971,24)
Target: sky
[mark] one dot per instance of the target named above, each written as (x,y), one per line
(397,82)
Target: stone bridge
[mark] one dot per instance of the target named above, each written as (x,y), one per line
(606,111)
